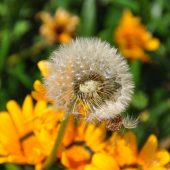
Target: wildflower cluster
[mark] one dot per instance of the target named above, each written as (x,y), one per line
(28,133)
(133,39)
(33,128)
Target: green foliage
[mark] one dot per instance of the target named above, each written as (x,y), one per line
(88,18)
(12,167)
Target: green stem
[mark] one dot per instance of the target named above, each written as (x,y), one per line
(144,7)
(52,157)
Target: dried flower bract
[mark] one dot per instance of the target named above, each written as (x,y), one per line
(89,76)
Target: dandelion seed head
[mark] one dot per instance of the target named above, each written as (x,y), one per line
(90,72)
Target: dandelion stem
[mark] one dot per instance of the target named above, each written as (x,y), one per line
(52,157)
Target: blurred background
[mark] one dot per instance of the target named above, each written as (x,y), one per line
(140,29)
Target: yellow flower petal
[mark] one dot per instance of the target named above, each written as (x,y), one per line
(94,137)
(65,37)
(69,133)
(17,117)
(153,44)
(90,167)
(44,65)
(8,134)
(162,157)
(124,154)
(148,151)
(104,161)
(32,149)
(131,141)
(40,91)
(71,159)
(27,108)
(39,108)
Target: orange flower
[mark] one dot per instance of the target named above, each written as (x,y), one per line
(58,28)
(150,157)
(133,39)
(91,135)
(18,143)
(75,157)
(86,140)
(124,150)
(40,90)
(27,134)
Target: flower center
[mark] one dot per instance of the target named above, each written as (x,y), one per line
(89,86)
(94,89)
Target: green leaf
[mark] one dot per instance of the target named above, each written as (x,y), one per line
(131,4)
(88,18)
(4,48)
(145,11)
(21,27)
(10,166)
(20,73)
(3,9)
(136,71)
(158,111)
(140,100)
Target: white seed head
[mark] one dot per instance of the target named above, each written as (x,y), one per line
(90,72)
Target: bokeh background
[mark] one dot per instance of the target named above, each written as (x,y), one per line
(140,29)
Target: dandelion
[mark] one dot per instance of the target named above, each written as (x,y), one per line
(59,28)
(133,39)
(88,73)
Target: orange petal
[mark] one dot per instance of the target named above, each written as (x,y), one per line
(40,91)
(152,44)
(39,87)
(9,137)
(104,161)
(130,139)
(45,17)
(96,139)
(71,159)
(162,157)
(27,108)
(39,108)
(44,65)
(148,151)
(62,17)
(10,150)
(17,117)
(32,149)
(90,167)
(124,153)
(69,133)
(65,37)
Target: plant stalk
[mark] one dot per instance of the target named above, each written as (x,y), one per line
(52,157)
